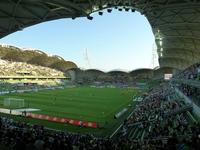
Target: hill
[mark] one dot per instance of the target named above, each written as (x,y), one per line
(35,57)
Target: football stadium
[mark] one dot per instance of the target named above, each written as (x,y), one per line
(50,103)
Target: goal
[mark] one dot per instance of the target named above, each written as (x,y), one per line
(14,103)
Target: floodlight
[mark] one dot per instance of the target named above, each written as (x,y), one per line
(89,17)
(100,13)
(109,10)
(133,10)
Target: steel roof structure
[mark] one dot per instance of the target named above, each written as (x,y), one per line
(175,23)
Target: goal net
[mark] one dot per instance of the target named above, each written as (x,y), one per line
(14,103)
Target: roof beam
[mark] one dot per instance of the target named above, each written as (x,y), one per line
(66,4)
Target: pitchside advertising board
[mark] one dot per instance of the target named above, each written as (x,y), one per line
(63,120)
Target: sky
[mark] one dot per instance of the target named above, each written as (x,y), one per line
(114,41)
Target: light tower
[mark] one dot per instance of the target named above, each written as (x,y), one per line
(87,60)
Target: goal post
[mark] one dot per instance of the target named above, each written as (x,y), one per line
(14,103)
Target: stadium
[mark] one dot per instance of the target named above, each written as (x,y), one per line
(49,103)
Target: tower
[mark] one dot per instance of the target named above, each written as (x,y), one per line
(87,60)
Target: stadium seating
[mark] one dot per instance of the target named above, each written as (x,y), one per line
(192,73)
(192,92)
(188,82)
(9,68)
(163,120)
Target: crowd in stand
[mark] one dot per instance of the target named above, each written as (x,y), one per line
(190,91)
(193,73)
(180,134)
(151,116)
(162,116)
(21,136)
(8,68)
(156,103)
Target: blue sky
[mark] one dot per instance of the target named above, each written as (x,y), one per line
(117,40)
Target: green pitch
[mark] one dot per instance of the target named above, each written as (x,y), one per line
(83,103)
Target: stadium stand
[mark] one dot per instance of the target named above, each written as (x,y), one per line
(192,73)
(161,121)
(187,82)
(9,68)
(142,73)
(192,92)
(32,66)
(139,77)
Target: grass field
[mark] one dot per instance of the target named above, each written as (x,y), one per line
(83,103)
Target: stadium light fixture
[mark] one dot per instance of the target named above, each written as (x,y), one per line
(133,10)
(109,10)
(100,13)
(161,43)
(19,27)
(89,17)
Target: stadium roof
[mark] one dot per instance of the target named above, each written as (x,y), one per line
(142,70)
(117,72)
(175,23)
(95,71)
